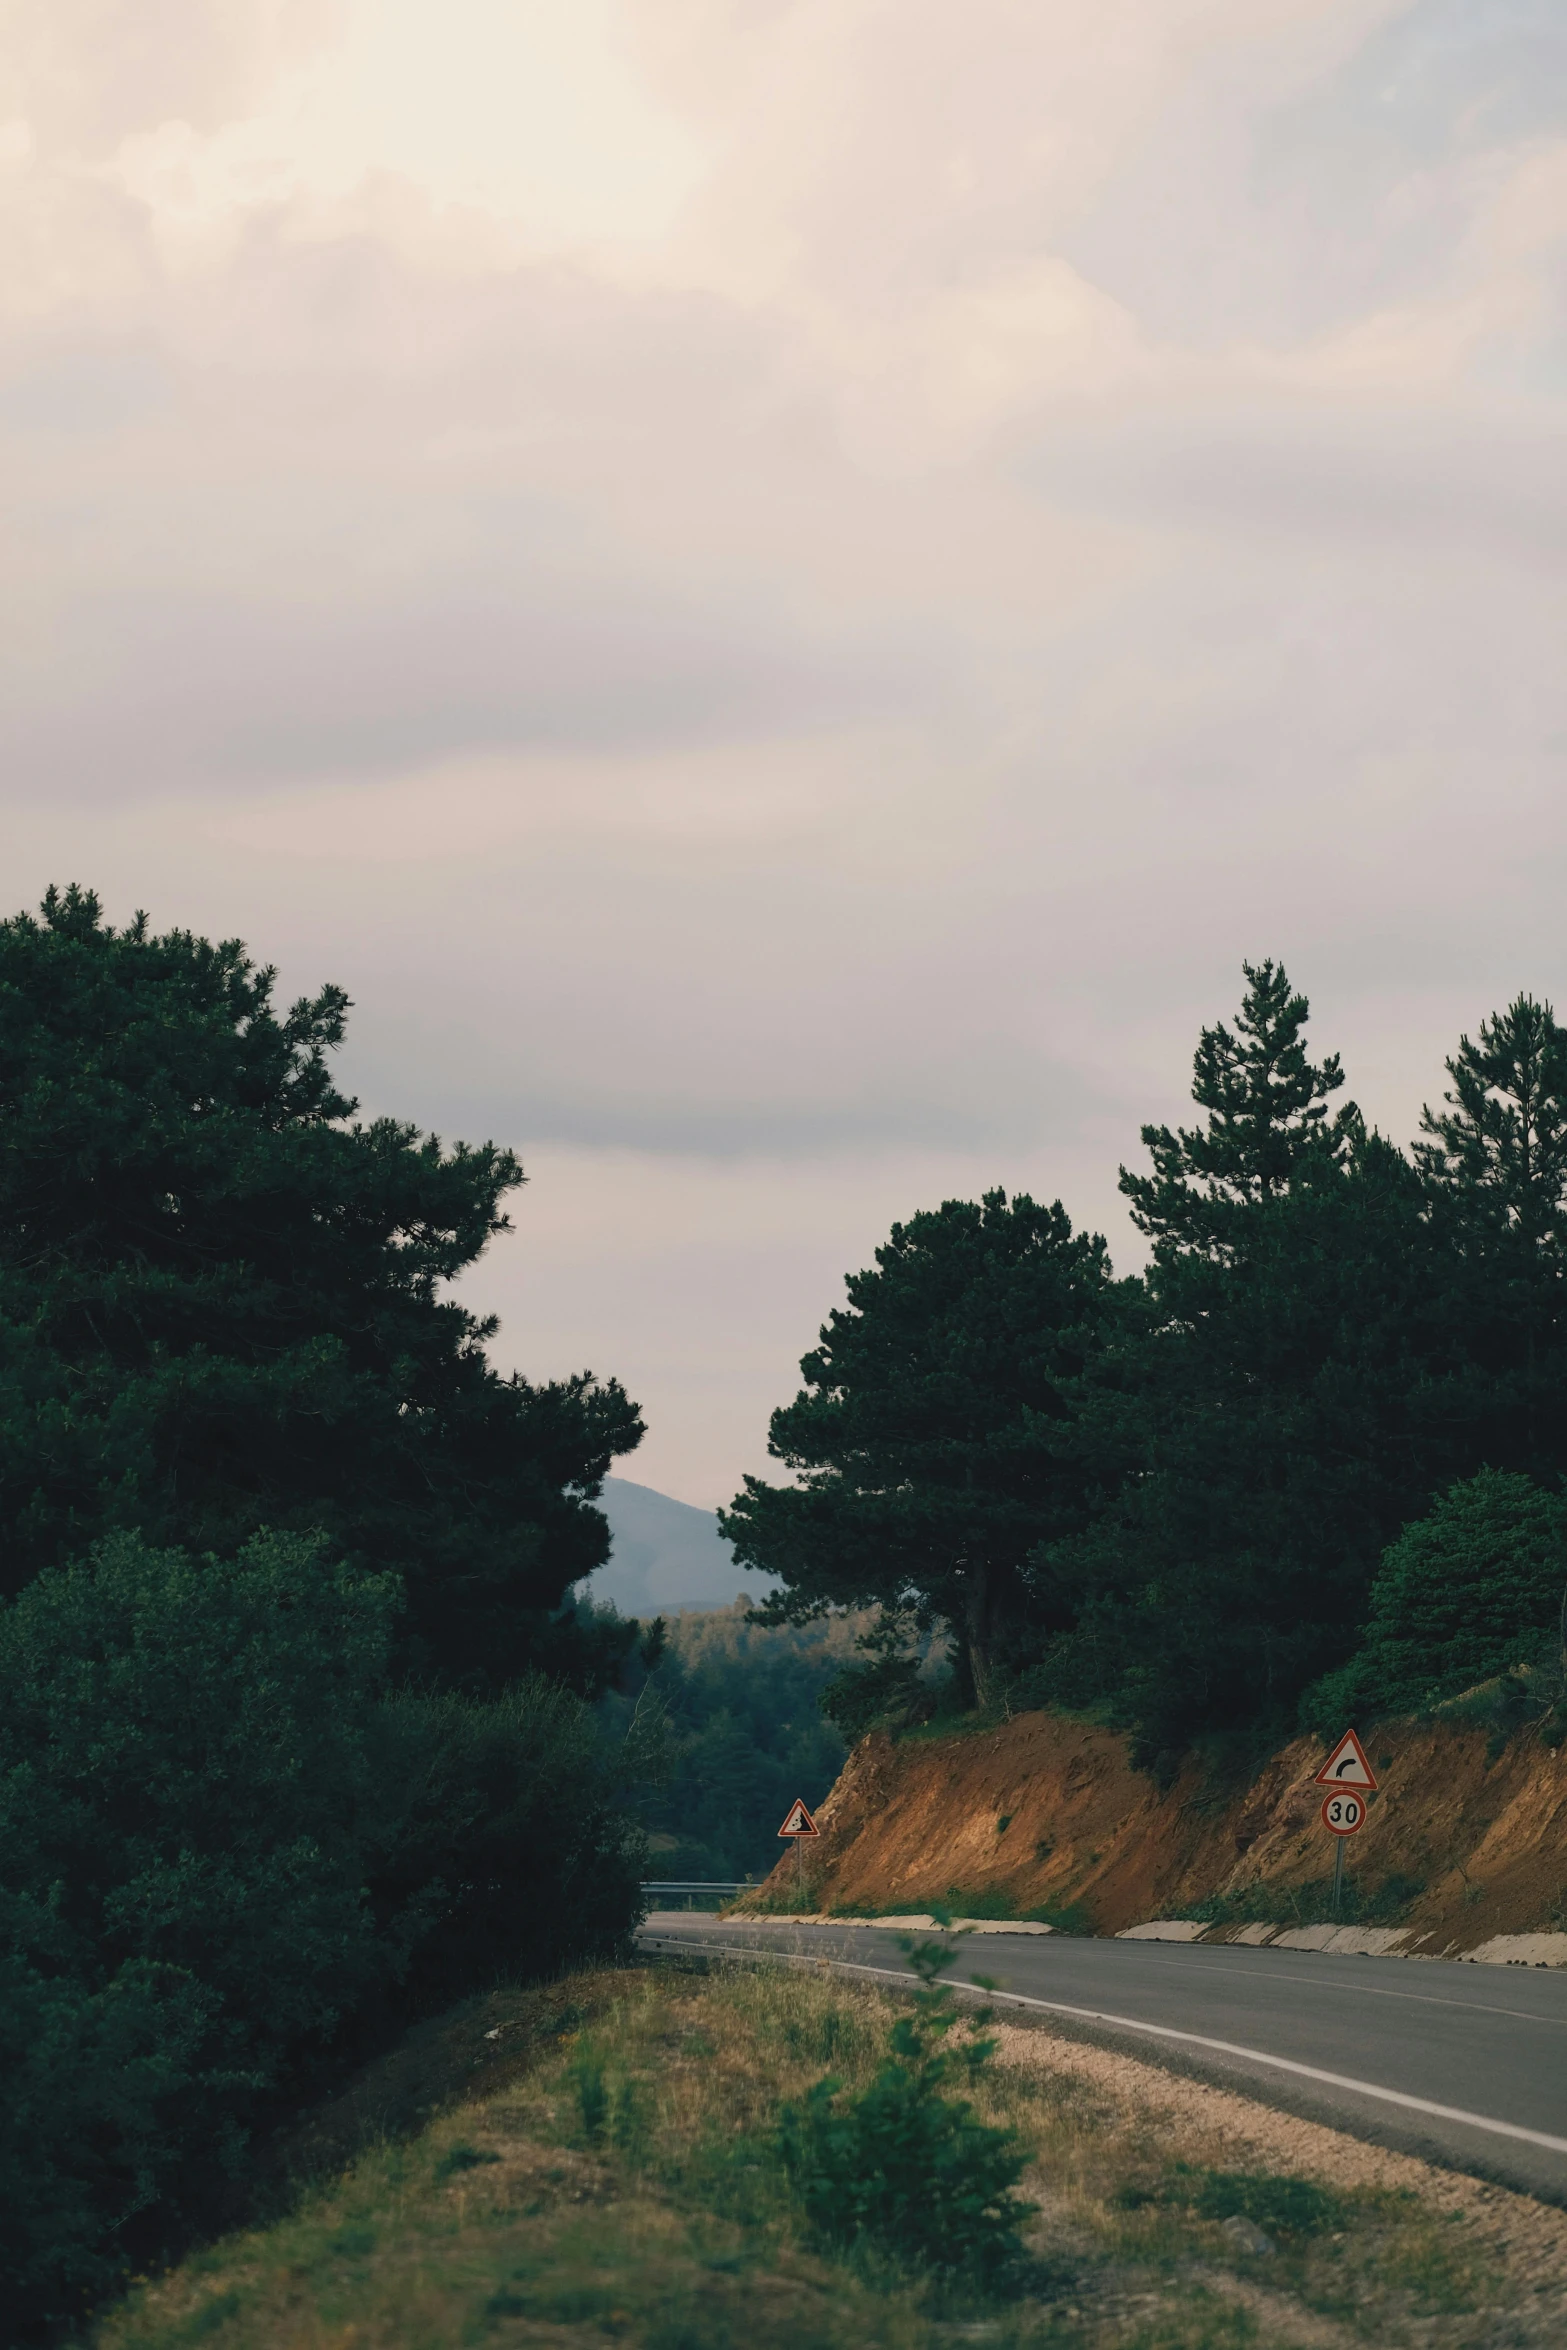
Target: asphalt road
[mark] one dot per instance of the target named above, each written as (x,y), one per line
(1466,2065)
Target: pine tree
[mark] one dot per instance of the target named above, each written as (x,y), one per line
(1498,1151)
(932,1443)
(225,1305)
(1267,1118)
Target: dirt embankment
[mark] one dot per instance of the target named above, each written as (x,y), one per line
(1047,1811)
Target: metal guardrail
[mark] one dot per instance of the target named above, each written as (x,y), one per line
(691,1892)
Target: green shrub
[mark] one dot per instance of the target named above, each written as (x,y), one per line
(505,1853)
(188,1794)
(228,1858)
(1283,2206)
(991,1903)
(1383,1902)
(1461,1596)
(902,2166)
(587,2076)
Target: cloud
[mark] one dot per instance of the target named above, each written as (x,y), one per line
(782,587)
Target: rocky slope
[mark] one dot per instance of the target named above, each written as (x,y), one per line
(1048,1812)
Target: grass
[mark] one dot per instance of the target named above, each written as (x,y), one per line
(612,2174)
(1067,1917)
(1385,1903)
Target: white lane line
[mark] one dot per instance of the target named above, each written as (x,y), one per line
(1128,2023)
(1518,2015)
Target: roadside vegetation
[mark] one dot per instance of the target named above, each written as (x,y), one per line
(653,2156)
(1309,1464)
(302,1738)
(296,1741)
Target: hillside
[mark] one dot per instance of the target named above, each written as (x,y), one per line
(665,1556)
(600,2161)
(1044,1814)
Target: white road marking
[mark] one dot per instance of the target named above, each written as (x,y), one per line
(1525,2015)
(1127,2023)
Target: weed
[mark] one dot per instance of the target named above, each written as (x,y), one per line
(1281,2206)
(991,1903)
(904,2168)
(1382,1904)
(628,2119)
(587,2073)
(358,2242)
(819,2038)
(207,2319)
(687,2229)
(1440,2273)
(461,2158)
(1204,2322)
(1067,1917)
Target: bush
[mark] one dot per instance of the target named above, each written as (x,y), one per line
(508,1855)
(1461,1596)
(228,1856)
(904,2167)
(1283,2206)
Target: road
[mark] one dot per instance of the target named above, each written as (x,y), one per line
(1466,2065)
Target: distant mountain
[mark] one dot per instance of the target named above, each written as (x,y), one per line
(666,1555)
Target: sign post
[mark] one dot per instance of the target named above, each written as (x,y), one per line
(1350,1779)
(797,1827)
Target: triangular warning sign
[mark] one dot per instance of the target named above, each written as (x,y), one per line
(1347,1766)
(799,1822)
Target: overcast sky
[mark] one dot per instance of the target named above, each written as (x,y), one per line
(782,588)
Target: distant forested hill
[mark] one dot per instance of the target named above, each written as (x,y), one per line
(746,1735)
(665,1556)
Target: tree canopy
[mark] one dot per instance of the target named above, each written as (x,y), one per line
(932,1440)
(229,1852)
(1267,1122)
(1461,1595)
(225,1305)
(1167,1498)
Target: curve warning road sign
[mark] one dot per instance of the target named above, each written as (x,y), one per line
(1347,1766)
(1343,1815)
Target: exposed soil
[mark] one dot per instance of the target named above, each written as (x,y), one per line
(911,1821)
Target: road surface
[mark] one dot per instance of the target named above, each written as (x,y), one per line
(1466,2065)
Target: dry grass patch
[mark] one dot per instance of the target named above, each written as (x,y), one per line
(611,2174)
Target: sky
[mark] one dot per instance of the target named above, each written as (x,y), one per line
(782,589)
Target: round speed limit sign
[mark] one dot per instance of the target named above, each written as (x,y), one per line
(1344,1815)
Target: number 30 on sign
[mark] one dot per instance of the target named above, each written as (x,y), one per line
(1344,1815)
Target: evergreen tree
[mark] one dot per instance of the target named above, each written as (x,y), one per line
(1495,1166)
(1468,1591)
(1254,1457)
(1305,1371)
(1498,1150)
(933,1439)
(224,1305)
(1267,1118)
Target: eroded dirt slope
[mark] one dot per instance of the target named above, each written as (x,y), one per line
(1045,1810)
